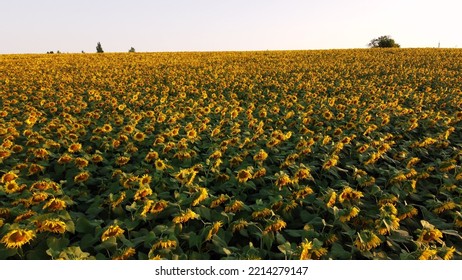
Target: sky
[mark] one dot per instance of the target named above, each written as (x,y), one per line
(38,26)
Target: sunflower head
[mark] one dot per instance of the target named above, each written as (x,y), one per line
(8,177)
(16,238)
(112,231)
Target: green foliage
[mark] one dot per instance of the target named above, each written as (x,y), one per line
(383,42)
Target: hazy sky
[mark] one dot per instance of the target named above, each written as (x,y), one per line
(38,26)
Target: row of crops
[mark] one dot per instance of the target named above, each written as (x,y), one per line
(339,154)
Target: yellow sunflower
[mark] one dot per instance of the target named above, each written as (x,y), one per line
(243,175)
(367,240)
(112,231)
(16,238)
(54,226)
(8,177)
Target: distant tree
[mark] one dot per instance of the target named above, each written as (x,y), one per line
(99,49)
(50,52)
(132,49)
(383,42)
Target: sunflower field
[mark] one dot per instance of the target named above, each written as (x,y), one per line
(334,154)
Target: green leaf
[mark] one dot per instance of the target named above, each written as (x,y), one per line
(5,253)
(452,232)
(227,251)
(294,232)
(57,244)
(88,241)
(204,212)
(400,236)
(268,240)
(83,225)
(280,238)
(194,240)
(338,252)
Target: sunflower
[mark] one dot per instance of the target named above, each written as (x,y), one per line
(38,197)
(125,254)
(216,154)
(65,158)
(142,192)
(448,205)
(118,201)
(349,214)
(122,160)
(215,227)
(54,226)
(302,173)
(259,173)
(81,163)
(82,177)
(112,231)
(275,226)
(203,194)
(367,240)
(363,148)
(161,165)
(331,162)
(41,153)
(185,216)
(332,199)
(74,148)
(408,211)
(305,247)
(302,193)
(218,201)
(428,254)
(4,212)
(158,206)
(388,209)
(258,215)
(17,148)
(145,180)
(430,234)
(152,155)
(97,158)
(243,175)
(106,128)
(8,177)
(349,195)
(239,225)
(12,187)
(234,206)
(24,216)
(35,168)
(191,134)
(55,204)
(282,179)
(447,253)
(183,175)
(146,207)
(164,244)
(387,223)
(261,155)
(139,136)
(16,238)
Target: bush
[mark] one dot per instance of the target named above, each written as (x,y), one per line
(383,42)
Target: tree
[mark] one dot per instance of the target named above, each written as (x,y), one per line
(99,49)
(132,49)
(383,42)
